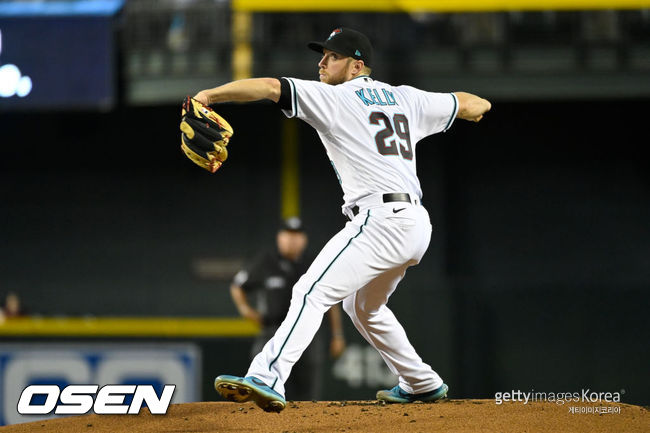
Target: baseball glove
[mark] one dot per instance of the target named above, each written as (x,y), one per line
(205,135)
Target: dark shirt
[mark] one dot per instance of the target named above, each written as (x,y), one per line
(268,282)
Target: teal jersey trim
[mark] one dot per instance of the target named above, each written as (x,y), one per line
(295,99)
(453,112)
(304,299)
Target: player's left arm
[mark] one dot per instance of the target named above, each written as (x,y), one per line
(252,89)
(471,107)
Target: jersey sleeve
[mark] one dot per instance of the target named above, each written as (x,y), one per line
(434,112)
(312,101)
(250,277)
(241,278)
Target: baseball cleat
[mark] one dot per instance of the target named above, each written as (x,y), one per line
(397,395)
(241,389)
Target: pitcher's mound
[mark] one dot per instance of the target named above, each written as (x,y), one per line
(361,416)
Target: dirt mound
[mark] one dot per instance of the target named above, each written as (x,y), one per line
(330,417)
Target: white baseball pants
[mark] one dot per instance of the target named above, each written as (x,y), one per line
(361,266)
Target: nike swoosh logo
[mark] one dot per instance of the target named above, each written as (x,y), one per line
(398,210)
(256,381)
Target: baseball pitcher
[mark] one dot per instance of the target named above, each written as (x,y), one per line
(369,130)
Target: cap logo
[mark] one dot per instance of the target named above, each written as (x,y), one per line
(357,53)
(334,33)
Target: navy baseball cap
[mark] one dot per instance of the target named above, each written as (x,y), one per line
(348,42)
(293,224)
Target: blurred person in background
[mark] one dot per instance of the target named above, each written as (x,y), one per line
(12,307)
(262,293)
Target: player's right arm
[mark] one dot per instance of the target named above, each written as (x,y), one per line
(241,302)
(253,89)
(245,281)
(471,107)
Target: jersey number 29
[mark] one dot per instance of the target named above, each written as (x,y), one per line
(383,138)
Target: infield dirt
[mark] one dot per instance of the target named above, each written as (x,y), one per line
(447,416)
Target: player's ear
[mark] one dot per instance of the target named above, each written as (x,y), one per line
(357,67)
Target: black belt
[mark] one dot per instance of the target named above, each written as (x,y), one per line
(389,197)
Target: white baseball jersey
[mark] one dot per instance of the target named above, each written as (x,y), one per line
(370,129)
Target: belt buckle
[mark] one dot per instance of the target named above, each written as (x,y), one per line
(396,196)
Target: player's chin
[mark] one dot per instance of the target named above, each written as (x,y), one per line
(330,80)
